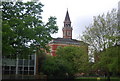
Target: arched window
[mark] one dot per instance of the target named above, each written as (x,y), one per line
(68,25)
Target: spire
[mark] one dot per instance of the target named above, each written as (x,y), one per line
(67,18)
(67,29)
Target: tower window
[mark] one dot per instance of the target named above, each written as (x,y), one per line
(69,33)
(68,25)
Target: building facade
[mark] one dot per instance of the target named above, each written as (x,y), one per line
(67,38)
(16,68)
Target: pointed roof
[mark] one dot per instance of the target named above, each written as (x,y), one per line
(67,18)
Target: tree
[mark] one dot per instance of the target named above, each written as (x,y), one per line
(68,61)
(55,68)
(109,61)
(23,30)
(76,56)
(103,38)
(103,33)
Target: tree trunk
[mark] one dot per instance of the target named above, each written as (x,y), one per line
(108,76)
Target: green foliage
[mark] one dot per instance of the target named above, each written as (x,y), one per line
(102,35)
(76,56)
(55,68)
(109,60)
(69,60)
(103,32)
(23,28)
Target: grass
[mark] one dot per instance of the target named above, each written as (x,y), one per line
(97,78)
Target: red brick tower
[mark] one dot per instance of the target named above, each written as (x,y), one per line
(67,29)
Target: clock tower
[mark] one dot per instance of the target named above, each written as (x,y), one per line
(67,29)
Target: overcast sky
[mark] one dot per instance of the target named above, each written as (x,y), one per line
(81,12)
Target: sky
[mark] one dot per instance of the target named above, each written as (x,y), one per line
(81,13)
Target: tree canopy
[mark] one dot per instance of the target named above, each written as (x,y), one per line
(55,68)
(103,32)
(23,30)
(109,61)
(76,56)
(68,61)
(103,37)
